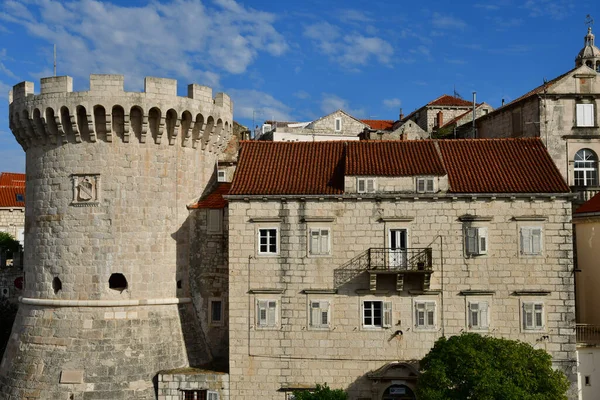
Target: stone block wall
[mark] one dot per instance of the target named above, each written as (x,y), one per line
(265,359)
(171,384)
(12,220)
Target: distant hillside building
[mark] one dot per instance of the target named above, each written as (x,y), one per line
(339,125)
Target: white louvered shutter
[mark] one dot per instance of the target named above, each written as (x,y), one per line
(482,240)
(271,313)
(262,312)
(387,314)
(536,241)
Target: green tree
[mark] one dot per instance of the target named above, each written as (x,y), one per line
(322,392)
(472,366)
(8,243)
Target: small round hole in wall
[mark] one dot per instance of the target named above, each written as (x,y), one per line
(179,284)
(56,285)
(118,282)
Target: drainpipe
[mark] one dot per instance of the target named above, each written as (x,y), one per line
(474,107)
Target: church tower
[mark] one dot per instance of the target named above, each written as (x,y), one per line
(590,54)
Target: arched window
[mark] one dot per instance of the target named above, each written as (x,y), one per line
(586,168)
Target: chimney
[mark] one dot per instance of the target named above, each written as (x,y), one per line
(502,101)
(440,119)
(401,115)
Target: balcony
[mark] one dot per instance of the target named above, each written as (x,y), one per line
(584,193)
(588,334)
(377,261)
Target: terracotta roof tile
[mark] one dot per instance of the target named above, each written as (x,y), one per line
(590,206)
(500,166)
(472,165)
(451,101)
(12,179)
(290,168)
(379,124)
(8,196)
(214,199)
(393,158)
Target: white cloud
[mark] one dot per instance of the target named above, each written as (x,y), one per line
(331,102)
(447,22)
(185,38)
(351,15)
(555,9)
(350,50)
(392,103)
(302,94)
(260,106)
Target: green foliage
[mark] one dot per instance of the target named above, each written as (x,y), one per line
(471,366)
(8,243)
(322,392)
(8,312)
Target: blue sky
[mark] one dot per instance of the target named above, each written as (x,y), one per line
(295,60)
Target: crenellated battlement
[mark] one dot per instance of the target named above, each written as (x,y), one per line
(107,113)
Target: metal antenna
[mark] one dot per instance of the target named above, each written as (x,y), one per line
(589,21)
(55,59)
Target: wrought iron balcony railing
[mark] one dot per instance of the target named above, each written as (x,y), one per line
(385,260)
(588,334)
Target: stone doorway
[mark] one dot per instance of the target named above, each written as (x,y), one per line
(398,392)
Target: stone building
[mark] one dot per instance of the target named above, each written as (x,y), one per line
(106,303)
(563,112)
(12,204)
(346,261)
(338,125)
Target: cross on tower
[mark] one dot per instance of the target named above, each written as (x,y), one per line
(589,21)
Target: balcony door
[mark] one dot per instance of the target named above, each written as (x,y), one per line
(398,248)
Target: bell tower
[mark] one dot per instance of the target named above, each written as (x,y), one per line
(590,54)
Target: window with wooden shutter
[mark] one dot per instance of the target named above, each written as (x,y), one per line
(214,221)
(425,314)
(476,241)
(533,315)
(319,314)
(365,185)
(319,241)
(266,313)
(478,315)
(585,115)
(425,185)
(531,240)
(387,314)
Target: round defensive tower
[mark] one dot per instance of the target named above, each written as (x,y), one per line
(109,173)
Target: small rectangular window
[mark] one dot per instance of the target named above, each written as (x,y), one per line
(214,221)
(585,115)
(216,312)
(200,395)
(478,315)
(365,185)
(319,314)
(425,314)
(377,314)
(588,381)
(476,241)
(20,197)
(425,185)
(267,241)
(266,313)
(221,176)
(338,124)
(533,315)
(319,241)
(531,240)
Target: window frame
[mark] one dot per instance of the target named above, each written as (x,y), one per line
(320,230)
(476,244)
(337,121)
(585,115)
(265,323)
(534,326)
(426,326)
(221,175)
(214,226)
(590,174)
(483,315)
(530,252)
(425,180)
(319,325)
(268,244)
(211,320)
(386,314)
(366,181)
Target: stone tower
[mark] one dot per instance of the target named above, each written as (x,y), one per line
(590,54)
(106,303)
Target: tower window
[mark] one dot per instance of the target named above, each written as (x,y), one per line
(56,285)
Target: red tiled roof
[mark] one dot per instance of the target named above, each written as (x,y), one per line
(590,206)
(8,196)
(290,168)
(451,101)
(500,166)
(379,124)
(393,158)
(12,179)
(214,199)
(472,165)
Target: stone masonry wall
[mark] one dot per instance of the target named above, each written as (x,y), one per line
(263,360)
(12,220)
